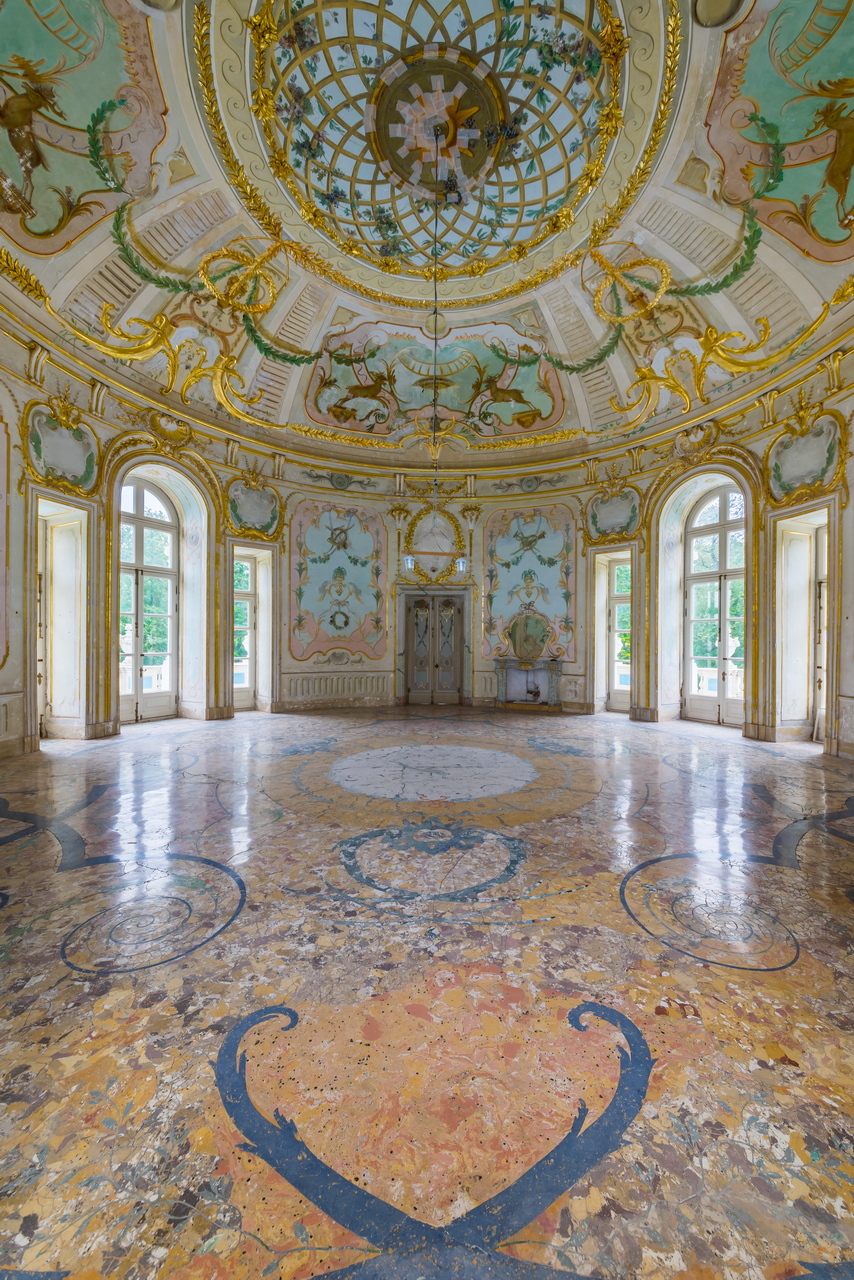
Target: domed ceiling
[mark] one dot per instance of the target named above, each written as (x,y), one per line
(409,234)
(478,141)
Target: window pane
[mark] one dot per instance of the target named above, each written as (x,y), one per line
(126,604)
(622,579)
(126,543)
(127,497)
(155,594)
(157,547)
(241,613)
(735,506)
(735,598)
(157,674)
(704,600)
(242,575)
(704,643)
(710,513)
(155,635)
(241,644)
(735,552)
(126,633)
(735,641)
(126,666)
(153,507)
(622,617)
(704,553)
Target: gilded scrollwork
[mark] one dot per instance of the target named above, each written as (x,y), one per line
(808,457)
(252,508)
(434,550)
(59,448)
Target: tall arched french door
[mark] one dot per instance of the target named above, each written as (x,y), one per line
(148,602)
(714,611)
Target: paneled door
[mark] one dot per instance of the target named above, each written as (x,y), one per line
(434,625)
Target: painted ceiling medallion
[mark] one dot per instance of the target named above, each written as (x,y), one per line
(519,102)
(436,90)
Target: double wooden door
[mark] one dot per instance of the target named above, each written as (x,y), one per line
(434,625)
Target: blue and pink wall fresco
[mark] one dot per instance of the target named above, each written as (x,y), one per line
(338,573)
(529,563)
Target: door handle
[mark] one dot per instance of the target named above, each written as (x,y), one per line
(723,675)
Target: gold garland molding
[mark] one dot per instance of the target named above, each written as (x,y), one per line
(156,333)
(311,260)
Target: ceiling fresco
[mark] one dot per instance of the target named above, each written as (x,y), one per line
(529,120)
(498,110)
(630,216)
(391,389)
(788,68)
(59,63)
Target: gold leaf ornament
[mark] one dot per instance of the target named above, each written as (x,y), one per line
(21,277)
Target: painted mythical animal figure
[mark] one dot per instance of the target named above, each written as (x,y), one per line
(17,113)
(465,1248)
(832,116)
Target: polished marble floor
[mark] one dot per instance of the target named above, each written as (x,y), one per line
(431,993)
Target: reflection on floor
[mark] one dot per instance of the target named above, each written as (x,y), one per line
(426,994)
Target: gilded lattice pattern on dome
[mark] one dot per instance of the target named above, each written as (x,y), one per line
(498,111)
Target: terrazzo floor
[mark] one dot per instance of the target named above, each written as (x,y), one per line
(430,993)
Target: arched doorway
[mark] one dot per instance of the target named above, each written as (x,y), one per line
(149,550)
(714,608)
(164,630)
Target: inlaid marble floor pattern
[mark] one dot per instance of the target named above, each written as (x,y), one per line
(427,993)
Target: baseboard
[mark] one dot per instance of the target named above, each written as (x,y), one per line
(645,715)
(102,729)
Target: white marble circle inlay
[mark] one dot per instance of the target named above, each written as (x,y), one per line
(432,773)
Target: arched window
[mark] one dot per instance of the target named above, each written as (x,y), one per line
(714,636)
(148,602)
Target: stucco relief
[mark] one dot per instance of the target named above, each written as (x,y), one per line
(253,507)
(338,570)
(529,564)
(804,461)
(60,447)
(613,515)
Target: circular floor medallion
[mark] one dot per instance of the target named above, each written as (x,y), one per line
(433,861)
(719,913)
(432,773)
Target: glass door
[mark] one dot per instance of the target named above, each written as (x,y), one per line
(244,611)
(820,687)
(434,634)
(713,671)
(619,635)
(148,604)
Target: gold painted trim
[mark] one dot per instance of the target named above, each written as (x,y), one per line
(825,358)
